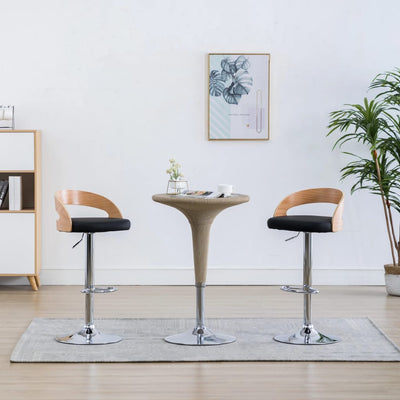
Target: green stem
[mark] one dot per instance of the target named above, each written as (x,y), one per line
(396,245)
(378,171)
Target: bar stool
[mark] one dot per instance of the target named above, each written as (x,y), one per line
(308,224)
(88,226)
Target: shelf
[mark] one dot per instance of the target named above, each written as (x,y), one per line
(28,189)
(15,171)
(16,211)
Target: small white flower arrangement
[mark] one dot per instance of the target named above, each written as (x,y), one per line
(176,184)
(174,170)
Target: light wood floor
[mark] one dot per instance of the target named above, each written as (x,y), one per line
(187,381)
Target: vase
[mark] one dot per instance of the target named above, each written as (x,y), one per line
(177,186)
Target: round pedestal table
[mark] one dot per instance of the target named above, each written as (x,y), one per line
(200,213)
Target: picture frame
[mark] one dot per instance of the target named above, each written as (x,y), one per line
(238,96)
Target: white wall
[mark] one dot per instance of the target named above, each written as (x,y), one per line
(118,87)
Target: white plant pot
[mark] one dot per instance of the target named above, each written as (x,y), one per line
(392,281)
(392,284)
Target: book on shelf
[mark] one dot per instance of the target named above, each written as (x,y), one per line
(11,193)
(204,194)
(3,192)
(15,193)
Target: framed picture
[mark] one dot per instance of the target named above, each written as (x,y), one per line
(238,96)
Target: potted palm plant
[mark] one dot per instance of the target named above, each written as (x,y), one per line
(376,125)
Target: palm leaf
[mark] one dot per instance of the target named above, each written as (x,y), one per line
(216,83)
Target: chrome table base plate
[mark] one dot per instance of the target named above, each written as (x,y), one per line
(203,337)
(307,336)
(87,338)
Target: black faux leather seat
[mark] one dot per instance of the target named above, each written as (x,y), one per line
(301,223)
(100,224)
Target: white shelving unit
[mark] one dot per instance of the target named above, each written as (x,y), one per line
(20,230)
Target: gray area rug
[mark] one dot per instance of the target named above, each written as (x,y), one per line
(143,341)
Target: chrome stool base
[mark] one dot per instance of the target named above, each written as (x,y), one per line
(307,336)
(89,336)
(200,337)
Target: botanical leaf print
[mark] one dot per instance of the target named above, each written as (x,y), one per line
(233,81)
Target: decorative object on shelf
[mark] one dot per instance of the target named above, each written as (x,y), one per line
(7,117)
(177,183)
(238,101)
(376,125)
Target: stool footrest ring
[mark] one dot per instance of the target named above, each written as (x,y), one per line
(99,290)
(300,289)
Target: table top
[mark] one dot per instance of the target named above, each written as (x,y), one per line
(176,200)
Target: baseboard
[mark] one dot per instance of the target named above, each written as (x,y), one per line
(215,276)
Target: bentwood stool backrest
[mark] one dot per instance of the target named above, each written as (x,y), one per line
(88,226)
(78,197)
(315,223)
